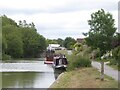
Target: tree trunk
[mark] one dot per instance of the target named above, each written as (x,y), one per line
(102,70)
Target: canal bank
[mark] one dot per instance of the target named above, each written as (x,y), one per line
(83,78)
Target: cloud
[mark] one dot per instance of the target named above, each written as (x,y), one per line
(57,18)
(62,33)
(54,6)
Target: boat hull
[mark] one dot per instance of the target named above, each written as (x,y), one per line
(62,67)
(48,62)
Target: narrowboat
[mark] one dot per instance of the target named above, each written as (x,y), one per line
(49,57)
(60,62)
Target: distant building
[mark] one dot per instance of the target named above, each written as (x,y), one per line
(55,47)
(80,40)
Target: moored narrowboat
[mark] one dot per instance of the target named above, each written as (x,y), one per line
(49,57)
(60,62)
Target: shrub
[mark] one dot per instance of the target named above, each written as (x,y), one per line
(116,54)
(6,57)
(76,61)
(113,62)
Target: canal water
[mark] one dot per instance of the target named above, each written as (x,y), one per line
(27,74)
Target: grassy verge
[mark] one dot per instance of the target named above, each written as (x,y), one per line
(76,61)
(84,78)
(61,51)
(79,77)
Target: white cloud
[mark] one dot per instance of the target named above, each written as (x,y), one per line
(32,4)
(46,4)
(59,18)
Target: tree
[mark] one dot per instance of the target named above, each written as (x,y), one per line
(8,21)
(116,54)
(32,26)
(69,42)
(100,36)
(12,39)
(51,41)
(4,44)
(60,41)
(118,39)
(33,43)
(25,23)
(15,46)
(21,40)
(78,46)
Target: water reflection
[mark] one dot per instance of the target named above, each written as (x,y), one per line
(32,79)
(36,79)
(27,80)
(57,72)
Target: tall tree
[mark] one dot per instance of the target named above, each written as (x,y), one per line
(21,40)
(25,23)
(13,40)
(33,43)
(20,23)
(4,44)
(8,21)
(102,30)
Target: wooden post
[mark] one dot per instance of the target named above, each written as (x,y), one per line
(102,70)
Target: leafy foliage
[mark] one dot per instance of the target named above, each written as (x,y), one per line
(116,54)
(55,41)
(76,61)
(14,41)
(8,21)
(50,41)
(69,42)
(33,43)
(60,41)
(20,40)
(101,32)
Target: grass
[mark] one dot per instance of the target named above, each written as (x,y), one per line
(76,61)
(84,78)
(61,51)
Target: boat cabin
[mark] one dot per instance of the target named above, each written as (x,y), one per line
(49,56)
(60,62)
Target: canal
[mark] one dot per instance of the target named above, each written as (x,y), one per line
(27,74)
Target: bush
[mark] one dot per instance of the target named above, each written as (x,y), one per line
(116,54)
(6,57)
(76,61)
(113,62)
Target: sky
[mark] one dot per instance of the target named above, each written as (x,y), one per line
(58,18)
